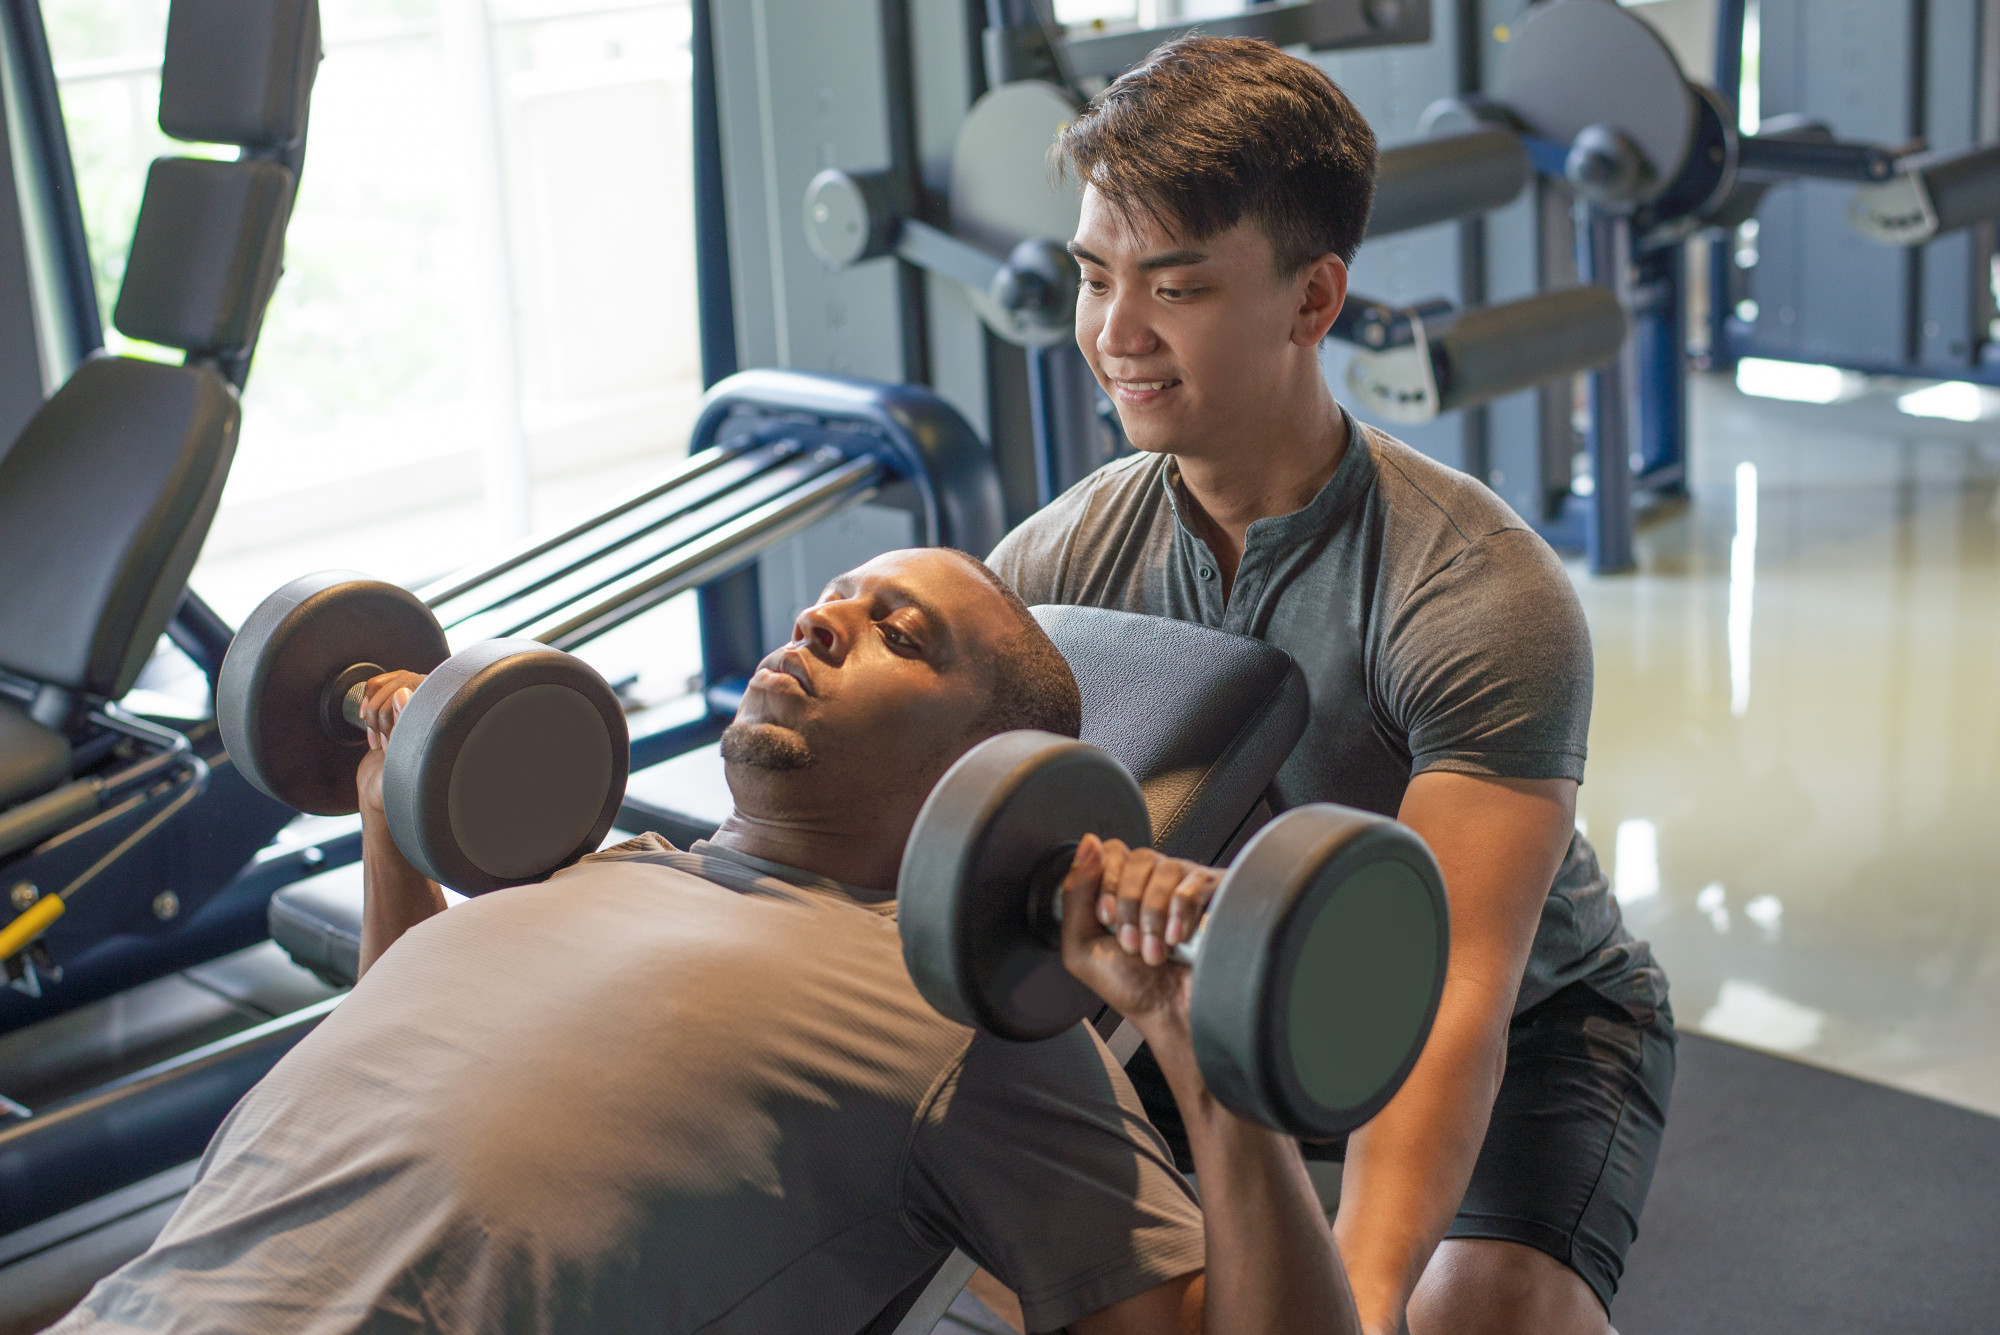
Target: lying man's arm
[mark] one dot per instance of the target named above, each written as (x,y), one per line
(1498,842)
(395,895)
(1271,1264)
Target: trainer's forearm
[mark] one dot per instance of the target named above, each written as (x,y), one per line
(395,895)
(1406,1171)
(1271,1261)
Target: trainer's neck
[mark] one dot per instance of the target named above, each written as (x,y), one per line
(1271,466)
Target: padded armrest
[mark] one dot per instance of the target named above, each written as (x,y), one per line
(318,922)
(1202,718)
(32,758)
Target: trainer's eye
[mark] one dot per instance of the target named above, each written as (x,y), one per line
(898,638)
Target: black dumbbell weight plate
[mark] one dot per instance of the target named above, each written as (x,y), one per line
(508,764)
(997,817)
(1320,970)
(277,699)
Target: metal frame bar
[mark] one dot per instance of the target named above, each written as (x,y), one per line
(1322,25)
(49,134)
(130,1129)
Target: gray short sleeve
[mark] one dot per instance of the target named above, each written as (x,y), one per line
(1487,666)
(1037,1160)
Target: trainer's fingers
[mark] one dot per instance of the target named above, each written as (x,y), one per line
(1153,905)
(1190,901)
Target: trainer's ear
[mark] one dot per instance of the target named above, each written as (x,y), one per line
(1321,295)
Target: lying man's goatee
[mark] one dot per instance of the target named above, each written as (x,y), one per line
(765,746)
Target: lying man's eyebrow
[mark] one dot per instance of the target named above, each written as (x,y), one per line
(1077,252)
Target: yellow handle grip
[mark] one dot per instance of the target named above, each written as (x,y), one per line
(18,934)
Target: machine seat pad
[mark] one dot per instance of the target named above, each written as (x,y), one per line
(318,922)
(1202,718)
(32,758)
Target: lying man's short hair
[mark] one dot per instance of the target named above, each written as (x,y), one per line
(1032,684)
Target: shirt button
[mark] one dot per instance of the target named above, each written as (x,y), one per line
(1206,572)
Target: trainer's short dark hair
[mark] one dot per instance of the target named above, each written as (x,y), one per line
(1210,130)
(1032,684)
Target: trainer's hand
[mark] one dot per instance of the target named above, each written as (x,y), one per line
(380,708)
(1123,911)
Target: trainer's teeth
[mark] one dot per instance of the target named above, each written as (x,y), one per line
(1147,384)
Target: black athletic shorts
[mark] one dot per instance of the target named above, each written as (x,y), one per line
(1575,1134)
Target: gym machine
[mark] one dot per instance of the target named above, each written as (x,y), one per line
(1010,224)
(1905,236)
(112,824)
(1583,94)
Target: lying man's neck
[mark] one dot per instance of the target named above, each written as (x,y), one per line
(847,843)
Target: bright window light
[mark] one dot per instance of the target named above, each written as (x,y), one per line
(1954,400)
(1635,861)
(1801,382)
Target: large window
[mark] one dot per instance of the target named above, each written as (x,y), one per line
(487,319)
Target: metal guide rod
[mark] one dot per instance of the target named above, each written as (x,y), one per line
(718,552)
(1782,157)
(470,577)
(511,617)
(617,529)
(939,251)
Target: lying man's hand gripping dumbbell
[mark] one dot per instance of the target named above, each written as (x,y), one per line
(699,1090)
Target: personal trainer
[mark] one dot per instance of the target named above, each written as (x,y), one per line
(1226,186)
(698,1090)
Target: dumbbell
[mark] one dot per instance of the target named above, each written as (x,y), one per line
(1317,967)
(507,764)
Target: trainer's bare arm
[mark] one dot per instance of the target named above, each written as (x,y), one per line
(1498,842)
(1271,1263)
(395,895)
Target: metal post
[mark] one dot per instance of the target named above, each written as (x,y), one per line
(1049,479)
(1605,258)
(1729,16)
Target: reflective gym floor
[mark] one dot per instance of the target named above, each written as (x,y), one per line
(1794,771)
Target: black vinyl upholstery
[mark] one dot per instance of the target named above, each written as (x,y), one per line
(32,758)
(104,502)
(1202,718)
(239,71)
(318,922)
(205,253)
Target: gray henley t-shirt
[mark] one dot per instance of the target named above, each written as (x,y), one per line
(661,1091)
(1436,631)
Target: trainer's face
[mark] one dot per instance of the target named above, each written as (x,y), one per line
(1195,340)
(882,681)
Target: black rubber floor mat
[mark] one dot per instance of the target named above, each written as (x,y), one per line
(1792,1199)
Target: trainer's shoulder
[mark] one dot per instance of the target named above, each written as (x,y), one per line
(1417,489)
(1068,530)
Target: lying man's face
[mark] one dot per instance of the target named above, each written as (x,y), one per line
(890,677)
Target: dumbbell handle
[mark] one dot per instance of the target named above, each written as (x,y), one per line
(350,704)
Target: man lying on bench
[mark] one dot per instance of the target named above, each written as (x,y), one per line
(698,1091)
